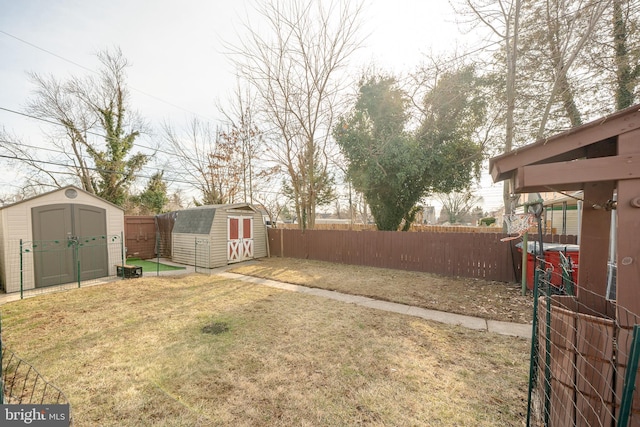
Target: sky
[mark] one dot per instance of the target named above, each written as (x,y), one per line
(176,50)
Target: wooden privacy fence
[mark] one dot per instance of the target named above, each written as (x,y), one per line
(477,255)
(140,236)
(413,228)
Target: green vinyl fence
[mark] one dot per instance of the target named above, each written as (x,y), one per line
(21,383)
(33,267)
(583,364)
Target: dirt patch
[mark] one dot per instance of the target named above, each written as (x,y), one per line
(473,297)
(215,328)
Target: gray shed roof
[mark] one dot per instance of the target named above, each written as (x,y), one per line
(199,220)
(195,221)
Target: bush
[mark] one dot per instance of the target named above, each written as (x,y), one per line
(487,221)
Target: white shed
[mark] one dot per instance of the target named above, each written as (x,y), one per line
(216,235)
(59,237)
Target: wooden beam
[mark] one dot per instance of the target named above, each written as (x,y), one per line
(555,175)
(520,187)
(594,238)
(628,248)
(497,174)
(607,128)
(594,246)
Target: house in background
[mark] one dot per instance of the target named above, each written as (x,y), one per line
(58,237)
(562,212)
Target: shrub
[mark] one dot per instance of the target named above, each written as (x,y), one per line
(487,221)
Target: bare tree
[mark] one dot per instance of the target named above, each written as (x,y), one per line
(457,205)
(294,68)
(614,55)
(39,174)
(208,158)
(249,139)
(272,203)
(559,33)
(541,48)
(502,19)
(96,127)
(626,31)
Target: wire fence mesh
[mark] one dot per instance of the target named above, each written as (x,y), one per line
(21,383)
(202,255)
(580,358)
(35,267)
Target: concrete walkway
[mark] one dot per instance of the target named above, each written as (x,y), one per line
(503,328)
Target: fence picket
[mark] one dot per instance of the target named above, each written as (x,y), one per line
(477,255)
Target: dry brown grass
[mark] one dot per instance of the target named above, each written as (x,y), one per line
(472,297)
(206,351)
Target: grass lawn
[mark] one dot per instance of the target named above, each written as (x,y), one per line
(151,266)
(206,351)
(471,297)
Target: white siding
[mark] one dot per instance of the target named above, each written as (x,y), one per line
(18,227)
(218,239)
(259,236)
(183,248)
(554,219)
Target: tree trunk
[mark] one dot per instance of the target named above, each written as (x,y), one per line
(624,73)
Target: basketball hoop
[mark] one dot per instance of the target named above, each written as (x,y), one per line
(518,224)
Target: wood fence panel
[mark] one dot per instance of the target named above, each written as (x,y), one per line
(449,254)
(358,247)
(140,236)
(273,237)
(476,255)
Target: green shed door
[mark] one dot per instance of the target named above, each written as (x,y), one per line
(55,228)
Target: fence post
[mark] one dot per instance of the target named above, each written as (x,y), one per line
(77,250)
(525,261)
(630,379)
(1,367)
(547,361)
(21,273)
(122,253)
(533,362)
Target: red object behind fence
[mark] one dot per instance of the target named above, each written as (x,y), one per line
(552,256)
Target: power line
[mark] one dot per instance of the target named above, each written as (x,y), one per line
(95,72)
(168,179)
(72,166)
(51,122)
(46,51)
(86,131)
(87,157)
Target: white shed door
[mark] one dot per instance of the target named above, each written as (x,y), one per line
(239,238)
